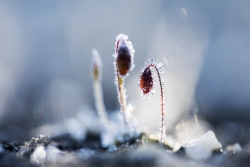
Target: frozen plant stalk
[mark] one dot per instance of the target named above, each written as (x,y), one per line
(96,77)
(147,84)
(124,62)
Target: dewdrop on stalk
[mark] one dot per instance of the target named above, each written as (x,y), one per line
(96,71)
(123,63)
(147,84)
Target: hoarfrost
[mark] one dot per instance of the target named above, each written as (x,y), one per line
(76,126)
(118,131)
(38,155)
(123,43)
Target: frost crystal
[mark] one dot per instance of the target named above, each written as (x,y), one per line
(38,155)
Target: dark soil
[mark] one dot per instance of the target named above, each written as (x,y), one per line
(72,152)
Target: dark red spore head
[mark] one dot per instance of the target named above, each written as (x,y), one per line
(123,61)
(146,82)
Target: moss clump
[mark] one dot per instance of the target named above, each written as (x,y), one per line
(134,140)
(143,139)
(154,141)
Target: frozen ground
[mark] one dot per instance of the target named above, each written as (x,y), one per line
(68,149)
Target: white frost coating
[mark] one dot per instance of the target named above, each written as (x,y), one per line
(97,61)
(38,155)
(202,148)
(54,154)
(99,104)
(122,41)
(75,129)
(118,131)
(76,126)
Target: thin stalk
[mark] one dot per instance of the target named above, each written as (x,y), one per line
(96,78)
(162,126)
(122,96)
(99,103)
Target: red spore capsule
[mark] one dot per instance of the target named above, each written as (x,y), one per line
(124,55)
(123,61)
(146,82)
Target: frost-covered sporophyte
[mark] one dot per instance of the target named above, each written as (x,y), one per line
(147,84)
(123,63)
(96,71)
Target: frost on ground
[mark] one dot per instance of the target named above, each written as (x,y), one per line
(38,155)
(80,127)
(119,133)
(45,151)
(81,141)
(77,127)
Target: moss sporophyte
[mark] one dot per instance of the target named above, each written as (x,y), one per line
(147,84)
(123,64)
(96,72)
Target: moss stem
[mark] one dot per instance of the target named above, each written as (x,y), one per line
(99,104)
(162,124)
(122,98)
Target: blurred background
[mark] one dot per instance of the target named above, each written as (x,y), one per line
(45,60)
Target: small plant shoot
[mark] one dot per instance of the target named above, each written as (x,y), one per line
(96,71)
(123,63)
(147,84)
